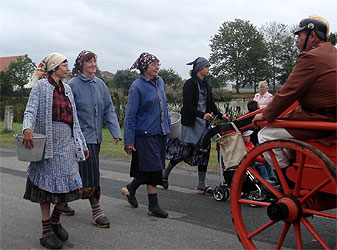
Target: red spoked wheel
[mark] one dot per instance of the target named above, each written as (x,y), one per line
(297,213)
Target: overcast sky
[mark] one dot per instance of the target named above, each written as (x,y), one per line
(176,31)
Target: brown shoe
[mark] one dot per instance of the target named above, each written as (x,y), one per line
(206,191)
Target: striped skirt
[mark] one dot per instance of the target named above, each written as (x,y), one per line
(59,174)
(89,169)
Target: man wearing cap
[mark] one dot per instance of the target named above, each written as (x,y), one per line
(312,83)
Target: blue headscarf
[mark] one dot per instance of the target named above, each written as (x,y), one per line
(199,64)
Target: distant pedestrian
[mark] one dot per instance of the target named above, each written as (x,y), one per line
(263,97)
(94,107)
(51,110)
(146,127)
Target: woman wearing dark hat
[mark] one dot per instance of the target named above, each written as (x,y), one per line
(94,106)
(50,110)
(146,125)
(198,106)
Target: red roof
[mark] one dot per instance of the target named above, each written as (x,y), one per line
(5,61)
(107,74)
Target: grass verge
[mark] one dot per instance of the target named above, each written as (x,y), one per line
(108,147)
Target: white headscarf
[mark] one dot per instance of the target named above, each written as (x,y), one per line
(50,62)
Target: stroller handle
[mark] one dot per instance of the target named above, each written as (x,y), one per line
(242,123)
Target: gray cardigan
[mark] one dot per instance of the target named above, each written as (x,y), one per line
(38,117)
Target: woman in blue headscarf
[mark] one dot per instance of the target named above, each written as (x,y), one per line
(198,108)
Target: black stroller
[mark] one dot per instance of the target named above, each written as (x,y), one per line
(251,187)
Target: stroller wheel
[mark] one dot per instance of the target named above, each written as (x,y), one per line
(220,193)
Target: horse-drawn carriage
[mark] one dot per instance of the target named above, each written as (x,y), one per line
(298,209)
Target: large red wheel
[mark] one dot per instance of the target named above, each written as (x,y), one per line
(297,212)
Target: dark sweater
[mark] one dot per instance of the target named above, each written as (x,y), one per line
(189,111)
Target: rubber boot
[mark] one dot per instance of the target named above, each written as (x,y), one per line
(154,208)
(166,174)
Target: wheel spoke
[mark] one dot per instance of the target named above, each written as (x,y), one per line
(314,190)
(319,213)
(259,230)
(283,235)
(279,174)
(298,235)
(257,203)
(298,182)
(312,230)
(256,174)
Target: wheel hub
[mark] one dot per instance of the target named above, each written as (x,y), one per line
(288,209)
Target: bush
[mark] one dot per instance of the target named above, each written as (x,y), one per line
(19,105)
(119,101)
(221,95)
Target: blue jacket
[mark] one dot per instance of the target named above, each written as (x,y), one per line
(146,112)
(94,106)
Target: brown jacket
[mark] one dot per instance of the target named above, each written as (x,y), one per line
(313,83)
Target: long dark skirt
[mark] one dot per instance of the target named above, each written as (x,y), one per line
(35,194)
(89,171)
(148,160)
(152,178)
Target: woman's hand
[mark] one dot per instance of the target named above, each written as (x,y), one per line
(28,139)
(117,140)
(257,118)
(208,116)
(129,149)
(226,116)
(86,154)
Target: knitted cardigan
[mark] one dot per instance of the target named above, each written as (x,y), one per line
(38,117)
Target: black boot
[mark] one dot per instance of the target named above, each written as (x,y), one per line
(50,241)
(154,208)
(60,232)
(166,174)
(130,192)
(67,210)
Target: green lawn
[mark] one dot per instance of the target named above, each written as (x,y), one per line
(108,147)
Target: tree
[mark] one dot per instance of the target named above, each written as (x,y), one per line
(173,85)
(171,78)
(332,38)
(238,53)
(19,73)
(124,78)
(6,88)
(216,82)
(281,51)
(287,57)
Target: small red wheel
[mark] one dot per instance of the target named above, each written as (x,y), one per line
(314,185)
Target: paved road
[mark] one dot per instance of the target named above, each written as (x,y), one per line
(195,221)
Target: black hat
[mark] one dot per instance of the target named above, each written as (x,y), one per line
(315,23)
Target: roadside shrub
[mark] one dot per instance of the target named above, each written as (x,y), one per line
(221,95)
(19,105)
